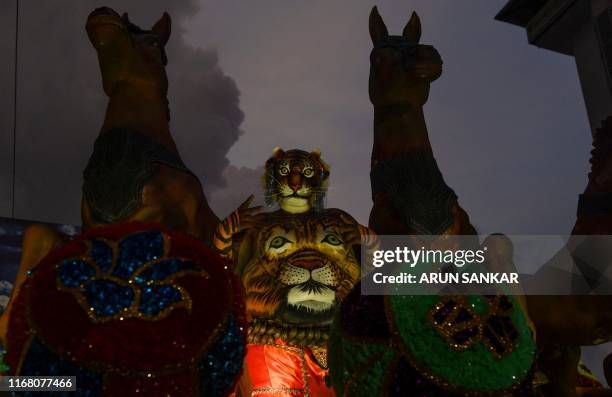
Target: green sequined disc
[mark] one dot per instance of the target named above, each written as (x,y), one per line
(464,343)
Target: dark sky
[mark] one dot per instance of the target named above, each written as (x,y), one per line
(507,120)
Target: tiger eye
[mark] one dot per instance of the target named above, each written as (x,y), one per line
(283,170)
(308,172)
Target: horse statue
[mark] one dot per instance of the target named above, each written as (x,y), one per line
(399,345)
(410,197)
(136,286)
(135,171)
(566,322)
(400,75)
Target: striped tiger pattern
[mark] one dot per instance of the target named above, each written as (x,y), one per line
(296,180)
(300,266)
(223,235)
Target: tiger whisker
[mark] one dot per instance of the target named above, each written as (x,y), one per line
(274,178)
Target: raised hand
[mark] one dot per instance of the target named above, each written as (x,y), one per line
(247,215)
(243,218)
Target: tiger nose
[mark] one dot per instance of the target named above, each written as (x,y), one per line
(295,182)
(308,264)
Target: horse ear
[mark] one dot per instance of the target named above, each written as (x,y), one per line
(277,152)
(316,153)
(163,28)
(412,30)
(378,30)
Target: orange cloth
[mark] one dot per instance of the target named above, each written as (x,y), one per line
(282,370)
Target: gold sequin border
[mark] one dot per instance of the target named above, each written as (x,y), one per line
(397,341)
(133,310)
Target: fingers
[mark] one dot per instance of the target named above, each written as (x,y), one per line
(249,223)
(246,213)
(245,208)
(247,202)
(250,211)
(248,216)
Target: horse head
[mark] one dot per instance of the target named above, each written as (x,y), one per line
(130,58)
(401,69)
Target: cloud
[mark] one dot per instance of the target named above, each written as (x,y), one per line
(506,119)
(241,182)
(205,113)
(61,104)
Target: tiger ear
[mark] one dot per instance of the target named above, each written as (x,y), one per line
(277,152)
(316,153)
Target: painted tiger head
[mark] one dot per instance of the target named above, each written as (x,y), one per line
(296,180)
(300,267)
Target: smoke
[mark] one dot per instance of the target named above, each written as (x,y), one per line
(61,103)
(241,183)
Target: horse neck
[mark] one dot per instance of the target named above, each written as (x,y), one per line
(399,129)
(141,111)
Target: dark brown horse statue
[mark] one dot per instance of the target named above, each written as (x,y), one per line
(411,197)
(400,75)
(146,179)
(135,172)
(396,357)
(566,322)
